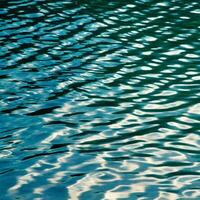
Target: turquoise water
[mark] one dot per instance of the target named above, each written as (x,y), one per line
(99,100)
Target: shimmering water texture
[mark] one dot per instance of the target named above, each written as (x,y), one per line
(99,100)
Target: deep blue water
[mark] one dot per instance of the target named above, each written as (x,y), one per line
(99,100)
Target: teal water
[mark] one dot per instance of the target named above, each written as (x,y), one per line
(99,100)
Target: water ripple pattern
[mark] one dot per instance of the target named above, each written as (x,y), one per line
(99,100)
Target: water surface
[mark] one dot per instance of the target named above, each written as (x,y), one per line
(99,99)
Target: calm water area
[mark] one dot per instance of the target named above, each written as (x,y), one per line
(99,100)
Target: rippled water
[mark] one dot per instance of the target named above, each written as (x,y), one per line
(99,99)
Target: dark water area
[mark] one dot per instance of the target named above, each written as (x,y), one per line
(99,100)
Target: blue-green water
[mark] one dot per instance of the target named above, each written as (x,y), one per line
(99,100)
